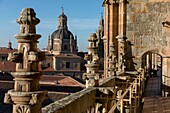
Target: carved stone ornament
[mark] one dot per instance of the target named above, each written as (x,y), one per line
(15,57)
(32,57)
(22,109)
(8,99)
(33,99)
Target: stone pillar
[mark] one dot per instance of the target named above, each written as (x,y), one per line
(122,36)
(26,96)
(150,62)
(110,29)
(153,60)
(147,64)
(156,61)
(92,66)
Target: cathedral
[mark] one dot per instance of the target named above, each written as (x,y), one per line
(62,50)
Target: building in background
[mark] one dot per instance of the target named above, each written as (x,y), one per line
(62,50)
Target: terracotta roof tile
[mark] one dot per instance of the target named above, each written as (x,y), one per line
(48,69)
(60,80)
(6,50)
(7,66)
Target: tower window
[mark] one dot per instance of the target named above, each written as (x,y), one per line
(67,64)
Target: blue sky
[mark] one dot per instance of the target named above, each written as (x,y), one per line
(83,18)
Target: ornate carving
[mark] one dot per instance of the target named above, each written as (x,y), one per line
(112,61)
(28,21)
(15,57)
(33,99)
(8,99)
(22,86)
(27,60)
(92,76)
(22,109)
(32,57)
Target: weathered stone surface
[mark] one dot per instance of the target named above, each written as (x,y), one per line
(26,96)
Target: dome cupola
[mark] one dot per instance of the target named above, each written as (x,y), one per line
(62,20)
(62,32)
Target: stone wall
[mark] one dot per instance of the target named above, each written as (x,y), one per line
(144,25)
(147,33)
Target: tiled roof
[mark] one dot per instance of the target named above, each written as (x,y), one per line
(48,69)
(7,66)
(60,80)
(6,50)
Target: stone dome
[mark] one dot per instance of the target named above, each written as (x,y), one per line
(62,34)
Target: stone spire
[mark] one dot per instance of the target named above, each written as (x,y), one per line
(100,34)
(26,96)
(92,66)
(50,43)
(9,45)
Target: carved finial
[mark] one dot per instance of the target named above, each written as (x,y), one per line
(62,9)
(101,15)
(27,21)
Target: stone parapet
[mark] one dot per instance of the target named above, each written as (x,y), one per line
(79,102)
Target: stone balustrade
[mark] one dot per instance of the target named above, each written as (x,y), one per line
(127,88)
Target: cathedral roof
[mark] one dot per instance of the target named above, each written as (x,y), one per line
(62,34)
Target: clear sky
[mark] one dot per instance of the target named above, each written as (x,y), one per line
(83,18)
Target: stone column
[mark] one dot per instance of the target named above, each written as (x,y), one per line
(92,66)
(110,29)
(122,36)
(147,65)
(26,96)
